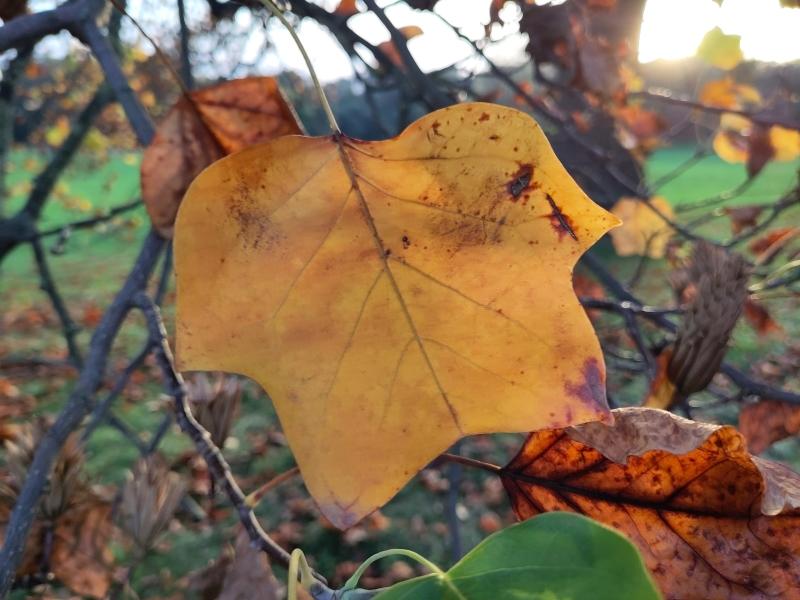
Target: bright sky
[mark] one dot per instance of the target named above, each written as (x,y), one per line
(671,29)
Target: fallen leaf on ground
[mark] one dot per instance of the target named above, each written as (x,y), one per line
(202,127)
(393,296)
(711,521)
(643,231)
(81,556)
(768,421)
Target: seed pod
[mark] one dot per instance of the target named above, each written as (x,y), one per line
(149,500)
(215,403)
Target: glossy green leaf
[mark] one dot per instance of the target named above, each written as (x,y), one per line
(556,556)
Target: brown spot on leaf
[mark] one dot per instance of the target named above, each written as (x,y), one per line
(560,222)
(591,388)
(520,180)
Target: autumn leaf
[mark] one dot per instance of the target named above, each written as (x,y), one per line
(768,421)
(743,217)
(202,127)
(785,142)
(393,296)
(638,128)
(728,93)
(721,50)
(760,319)
(740,140)
(643,231)
(711,521)
(81,556)
(346,8)
(771,243)
(390,49)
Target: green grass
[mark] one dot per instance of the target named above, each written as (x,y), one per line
(712,176)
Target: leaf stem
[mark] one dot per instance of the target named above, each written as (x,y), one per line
(253,498)
(353,581)
(471,462)
(278,14)
(298,565)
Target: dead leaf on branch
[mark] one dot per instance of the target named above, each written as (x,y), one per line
(202,127)
(76,518)
(712,521)
(393,296)
(768,421)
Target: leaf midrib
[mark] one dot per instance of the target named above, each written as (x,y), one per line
(354,182)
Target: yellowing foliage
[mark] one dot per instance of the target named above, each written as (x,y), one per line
(728,93)
(720,49)
(644,232)
(393,296)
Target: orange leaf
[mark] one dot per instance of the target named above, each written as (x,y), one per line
(759,318)
(393,296)
(727,93)
(769,244)
(767,422)
(346,8)
(390,49)
(203,127)
(711,521)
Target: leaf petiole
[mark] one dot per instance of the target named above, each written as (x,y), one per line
(278,14)
(298,570)
(353,581)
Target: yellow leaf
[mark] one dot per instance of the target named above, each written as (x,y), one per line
(56,134)
(643,231)
(721,50)
(392,297)
(727,93)
(730,142)
(785,143)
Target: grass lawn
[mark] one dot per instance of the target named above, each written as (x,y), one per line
(93,265)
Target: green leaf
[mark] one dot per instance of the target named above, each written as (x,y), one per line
(555,556)
(721,50)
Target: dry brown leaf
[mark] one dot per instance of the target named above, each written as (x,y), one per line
(743,217)
(643,231)
(203,127)
(81,557)
(712,522)
(768,421)
(393,296)
(771,243)
(249,576)
(760,319)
